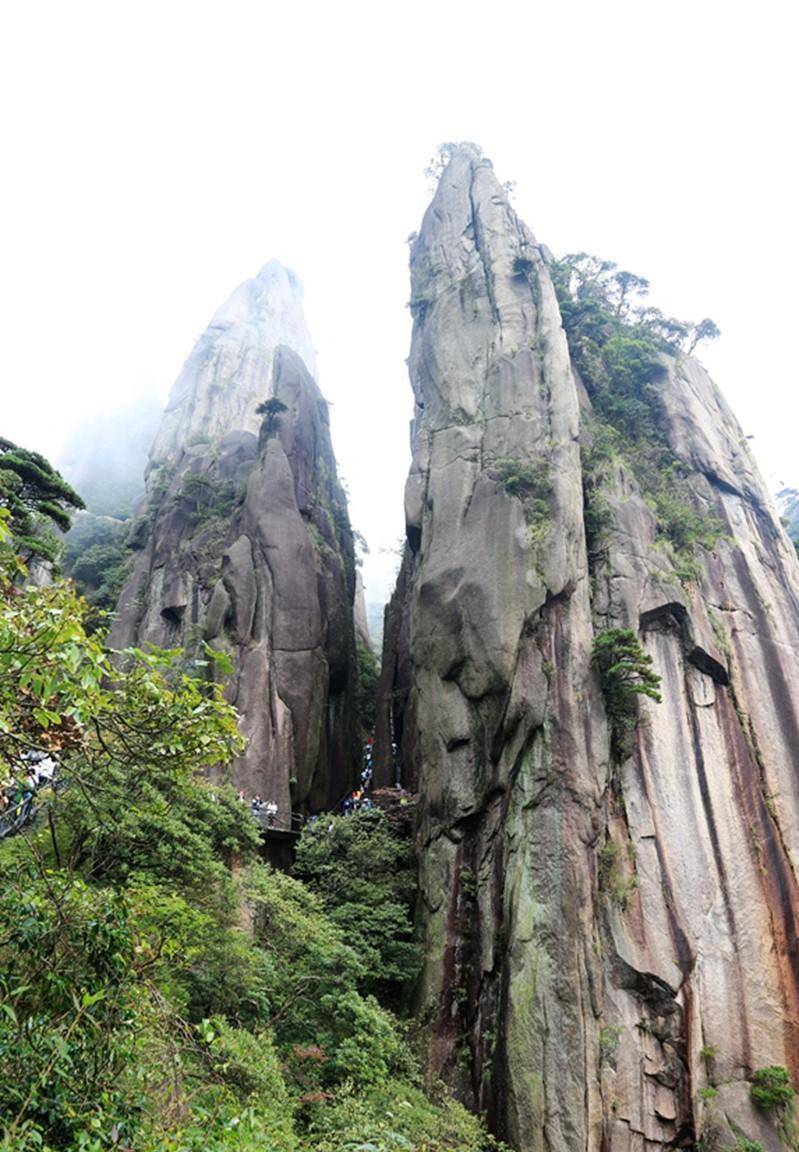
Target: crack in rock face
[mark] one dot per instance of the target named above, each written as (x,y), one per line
(590,927)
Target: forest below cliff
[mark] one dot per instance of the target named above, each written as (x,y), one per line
(161,987)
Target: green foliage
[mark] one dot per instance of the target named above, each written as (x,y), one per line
(97,559)
(625,672)
(706,329)
(422,286)
(608,1042)
(598,301)
(207,497)
(271,410)
(613,879)
(365,875)
(531,482)
(771,1088)
(597,454)
(678,521)
(744,1145)
(618,349)
(37,498)
(148,999)
(366,696)
(66,1003)
(394,1117)
(444,153)
(96,567)
(708,1093)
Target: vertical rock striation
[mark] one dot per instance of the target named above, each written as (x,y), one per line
(603,940)
(702,973)
(244,543)
(494,715)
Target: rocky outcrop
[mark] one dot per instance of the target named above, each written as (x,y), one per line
(610,947)
(244,544)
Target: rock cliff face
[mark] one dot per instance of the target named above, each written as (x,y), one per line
(229,370)
(610,940)
(244,543)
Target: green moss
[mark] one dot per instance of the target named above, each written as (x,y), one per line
(468,884)
(742,1144)
(608,1042)
(720,633)
(613,880)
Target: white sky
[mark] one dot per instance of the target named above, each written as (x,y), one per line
(156,154)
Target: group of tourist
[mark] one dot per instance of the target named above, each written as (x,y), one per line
(262,810)
(17,796)
(359,800)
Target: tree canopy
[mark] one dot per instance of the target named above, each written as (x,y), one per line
(271,410)
(37,497)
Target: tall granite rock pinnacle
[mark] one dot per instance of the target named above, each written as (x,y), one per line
(244,543)
(606,935)
(229,370)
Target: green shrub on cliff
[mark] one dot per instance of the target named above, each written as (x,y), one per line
(37,498)
(531,482)
(271,410)
(619,348)
(98,560)
(625,672)
(771,1088)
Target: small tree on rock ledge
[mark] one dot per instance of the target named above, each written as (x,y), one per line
(706,329)
(271,410)
(625,671)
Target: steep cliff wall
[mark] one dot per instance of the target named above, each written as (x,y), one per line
(244,543)
(608,934)
(702,974)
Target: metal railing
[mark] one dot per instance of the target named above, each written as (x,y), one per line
(291,822)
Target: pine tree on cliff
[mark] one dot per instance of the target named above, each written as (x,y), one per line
(36,496)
